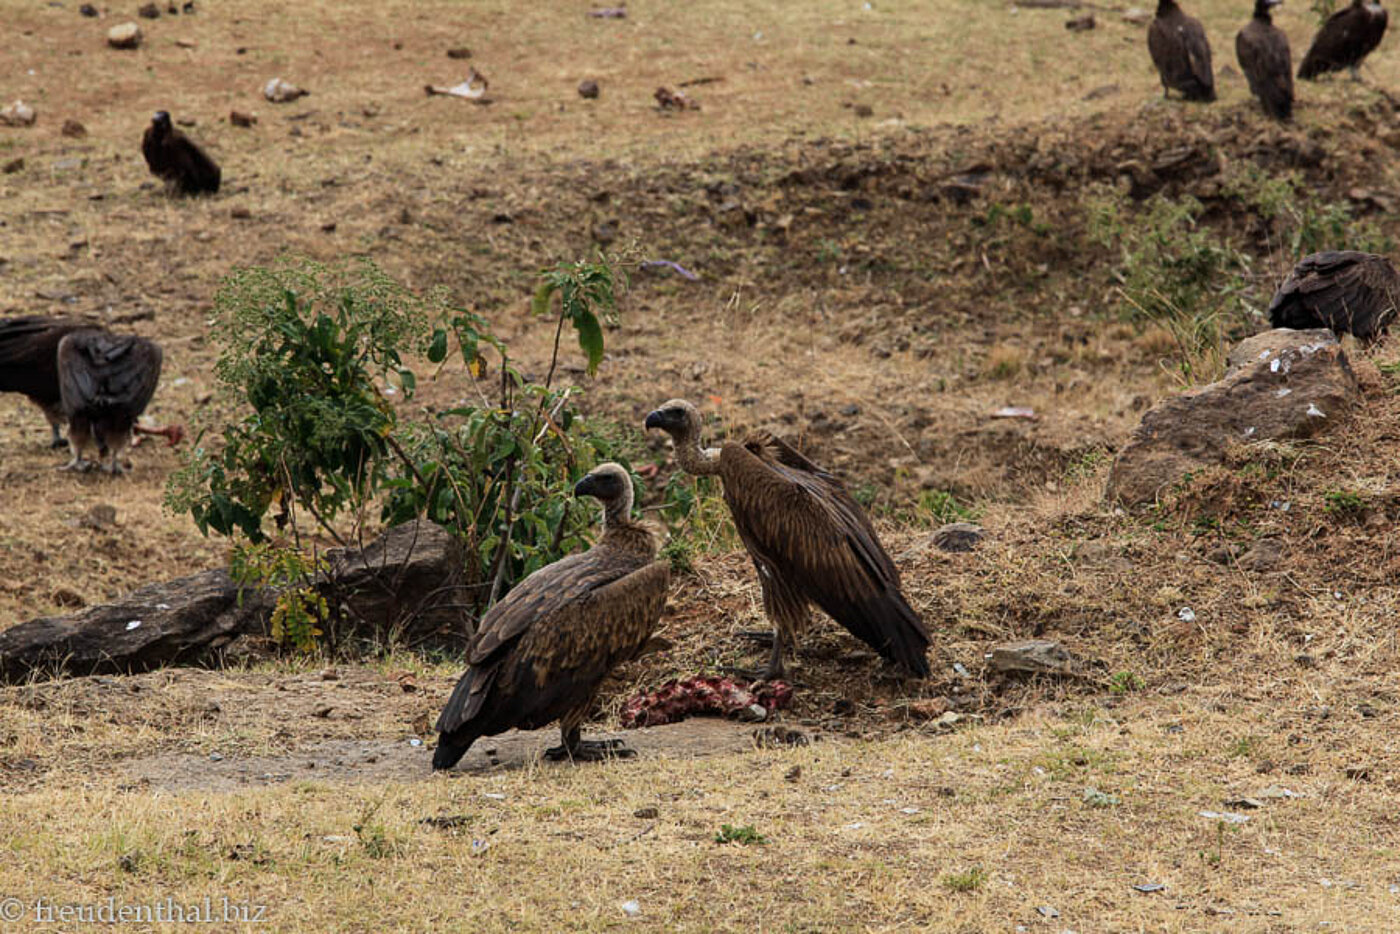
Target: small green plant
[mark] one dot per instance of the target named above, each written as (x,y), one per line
(1215,855)
(968,881)
(1100,799)
(938,507)
(300,610)
(1343,504)
(375,839)
(1245,747)
(696,518)
(1125,682)
(745,835)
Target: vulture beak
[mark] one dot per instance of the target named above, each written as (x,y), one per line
(586,486)
(656,420)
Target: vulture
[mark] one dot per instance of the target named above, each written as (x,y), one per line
(809,540)
(1348,36)
(78,372)
(1181,53)
(541,653)
(1262,49)
(172,156)
(1349,292)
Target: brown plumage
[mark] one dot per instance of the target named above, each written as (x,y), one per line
(542,652)
(1181,53)
(29,363)
(172,156)
(106,381)
(1348,36)
(1347,291)
(1266,61)
(809,540)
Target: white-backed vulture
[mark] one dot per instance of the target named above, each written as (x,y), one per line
(75,371)
(1348,36)
(1345,290)
(173,157)
(809,540)
(1266,61)
(542,652)
(1181,53)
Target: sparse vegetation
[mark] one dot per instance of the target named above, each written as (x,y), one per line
(969,880)
(744,836)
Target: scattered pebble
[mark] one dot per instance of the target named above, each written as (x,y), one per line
(242,118)
(18,113)
(125,36)
(1149,887)
(631,908)
(646,813)
(73,129)
(282,92)
(1228,817)
(588,89)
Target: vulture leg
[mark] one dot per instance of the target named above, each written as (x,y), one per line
(78,438)
(790,616)
(577,749)
(54,414)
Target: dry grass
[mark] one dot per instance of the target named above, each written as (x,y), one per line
(841,303)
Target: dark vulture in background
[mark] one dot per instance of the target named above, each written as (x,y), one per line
(173,157)
(1349,292)
(1181,53)
(1262,49)
(1348,36)
(810,541)
(78,372)
(541,653)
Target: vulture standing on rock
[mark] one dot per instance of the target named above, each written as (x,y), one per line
(172,156)
(1181,53)
(1262,49)
(1349,292)
(810,541)
(542,652)
(78,372)
(1348,36)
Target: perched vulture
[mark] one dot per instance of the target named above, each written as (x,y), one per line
(542,652)
(809,540)
(173,157)
(1349,292)
(78,372)
(1181,53)
(1262,49)
(1348,36)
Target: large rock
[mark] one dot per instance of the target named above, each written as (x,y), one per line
(1280,384)
(125,36)
(404,588)
(174,621)
(407,586)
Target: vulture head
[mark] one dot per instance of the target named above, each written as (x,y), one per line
(611,485)
(677,418)
(161,121)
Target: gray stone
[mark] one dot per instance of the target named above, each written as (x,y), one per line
(1280,384)
(958,536)
(18,113)
(282,92)
(125,36)
(1035,656)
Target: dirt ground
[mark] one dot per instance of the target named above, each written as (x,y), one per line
(886,208)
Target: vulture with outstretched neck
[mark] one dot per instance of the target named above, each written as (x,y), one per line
(1348,36)
(80,373)
(1181,53)
(542,652)
(810,541)
(1345,290)
(173,157)
(1266,61)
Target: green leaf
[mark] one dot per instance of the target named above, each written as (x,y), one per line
(590,338)
(437,350)
(540,303)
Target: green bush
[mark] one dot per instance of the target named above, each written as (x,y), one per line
(313,357)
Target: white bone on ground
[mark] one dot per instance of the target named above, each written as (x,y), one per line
(1315,412)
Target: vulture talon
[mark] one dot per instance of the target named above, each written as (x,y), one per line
(591,750)
(541,653)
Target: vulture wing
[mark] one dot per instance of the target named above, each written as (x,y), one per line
(29,355)
(1347,291)
(194,170)
(156,159)
(1348,36)
(1197,47)
(104,372)
(811,541)
(555,620)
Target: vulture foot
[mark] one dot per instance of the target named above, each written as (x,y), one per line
(78,464)
(115,468)
(763,637)
(591,750)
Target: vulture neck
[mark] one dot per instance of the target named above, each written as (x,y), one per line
(1261,11)
(1165,6)
(618,512)
(695,459)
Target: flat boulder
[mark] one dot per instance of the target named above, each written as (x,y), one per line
(1280,384)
